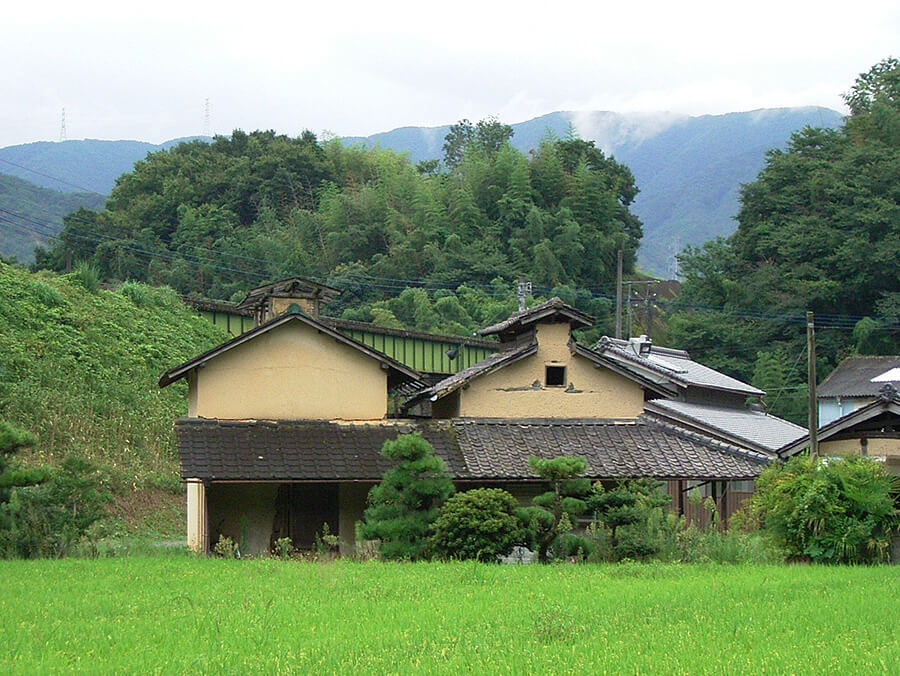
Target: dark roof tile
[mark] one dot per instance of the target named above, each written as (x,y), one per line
(476,448)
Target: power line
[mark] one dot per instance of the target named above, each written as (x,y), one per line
(52,178)
(399,284)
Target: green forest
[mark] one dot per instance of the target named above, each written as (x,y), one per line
(439,246)
(214,219)
(819,230)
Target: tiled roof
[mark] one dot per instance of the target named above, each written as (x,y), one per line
(473,448)
(743,426)
(853,377)
(612,449)
(288,450)
(492,362)
(675,365)
(555,306)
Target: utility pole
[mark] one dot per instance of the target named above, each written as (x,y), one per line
(62,126)
(813,418)
(619,294)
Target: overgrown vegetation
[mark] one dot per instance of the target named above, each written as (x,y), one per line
(217,218)
(78,371)
(835,511)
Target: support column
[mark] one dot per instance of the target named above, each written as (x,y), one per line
(197,531)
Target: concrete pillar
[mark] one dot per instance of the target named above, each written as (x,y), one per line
(197,531)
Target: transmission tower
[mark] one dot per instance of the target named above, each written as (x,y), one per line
(62,126)
(206,127)
(673,266)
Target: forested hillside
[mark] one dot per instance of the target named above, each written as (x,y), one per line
(215,219)
(819,229)
(22,203)
(79,366)
(688,169)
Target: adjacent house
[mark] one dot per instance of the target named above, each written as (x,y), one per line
(872,430)
(854,384)
(286,421)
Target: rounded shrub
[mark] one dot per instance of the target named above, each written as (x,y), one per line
(478,524)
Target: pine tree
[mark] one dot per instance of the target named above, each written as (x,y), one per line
(403,507)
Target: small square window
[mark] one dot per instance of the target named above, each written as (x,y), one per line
(555,376)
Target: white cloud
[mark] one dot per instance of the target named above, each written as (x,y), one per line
(143,71)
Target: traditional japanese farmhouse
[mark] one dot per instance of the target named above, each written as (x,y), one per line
(286,421)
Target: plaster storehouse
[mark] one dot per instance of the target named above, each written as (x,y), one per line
(286,422)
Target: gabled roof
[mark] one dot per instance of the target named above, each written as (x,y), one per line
(884,411)
(288,287)
(554,308)
(651,380)
(740,426)
(489,364)
(181,371)
(473,448)
(859,377)
(675,366)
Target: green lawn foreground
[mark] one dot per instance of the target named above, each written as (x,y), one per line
(179,614)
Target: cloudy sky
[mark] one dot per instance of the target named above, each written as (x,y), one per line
(144,70)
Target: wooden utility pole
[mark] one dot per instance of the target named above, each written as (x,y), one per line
(813,419)
(619,294)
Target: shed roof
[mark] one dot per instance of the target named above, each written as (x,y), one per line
(489,364)
(676,366)
(473,448)
(177,372)
(859,377)
(741,426)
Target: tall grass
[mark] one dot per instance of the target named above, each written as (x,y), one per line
(180,614)
(79,365)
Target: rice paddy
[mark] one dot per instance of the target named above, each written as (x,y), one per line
(179,614)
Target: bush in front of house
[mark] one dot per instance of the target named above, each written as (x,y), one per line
(829,511)
(479,524)
(551,519)
(402,508)
(631,515)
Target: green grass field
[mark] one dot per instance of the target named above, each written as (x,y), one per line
(178,614)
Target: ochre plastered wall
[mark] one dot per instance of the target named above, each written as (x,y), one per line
(508,392)
(292,372)
(874,447)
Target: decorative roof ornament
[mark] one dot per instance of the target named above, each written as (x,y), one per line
(887,392)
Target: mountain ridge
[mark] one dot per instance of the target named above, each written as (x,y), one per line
(689,169)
